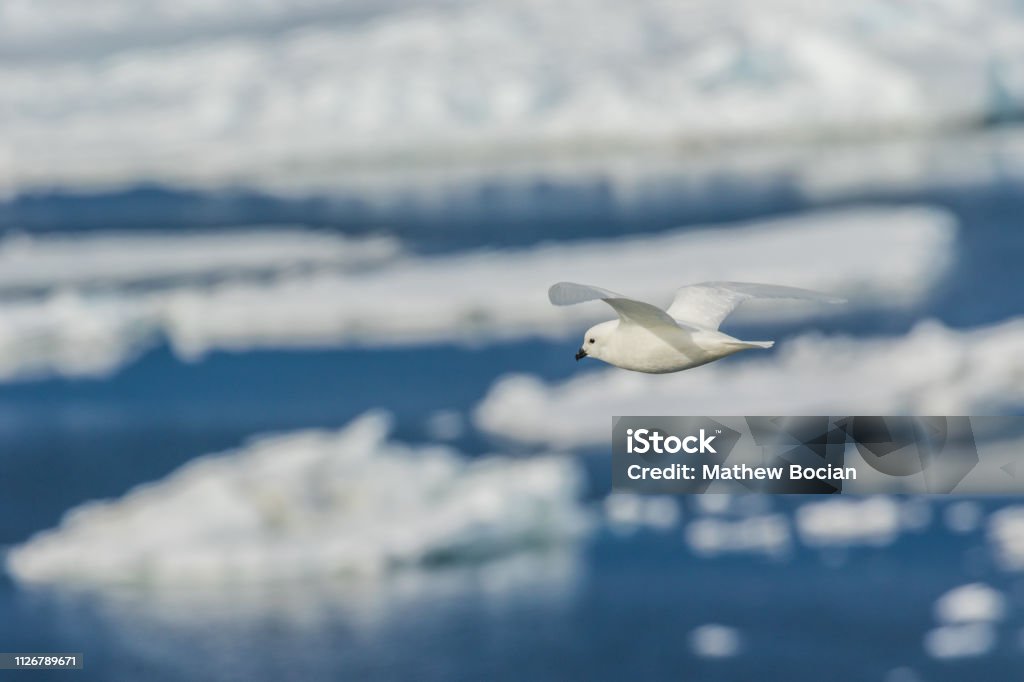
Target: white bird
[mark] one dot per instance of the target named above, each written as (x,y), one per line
(646,338)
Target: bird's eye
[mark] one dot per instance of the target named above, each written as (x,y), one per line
(591,340)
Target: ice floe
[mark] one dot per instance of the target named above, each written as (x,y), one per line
(931,370)
(967,616)
(323,291)
(715,641)
(214,95)
(40,262)
(839,523)
(1006,536)
(975,602)
(960,641)
(767,535)
(310,505)
(626,512)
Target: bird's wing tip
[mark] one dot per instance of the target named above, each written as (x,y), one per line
(556,293)
(571,293)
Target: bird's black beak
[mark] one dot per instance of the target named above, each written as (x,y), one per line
(581,354)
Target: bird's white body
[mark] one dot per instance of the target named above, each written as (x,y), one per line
(642,350)
(648,339)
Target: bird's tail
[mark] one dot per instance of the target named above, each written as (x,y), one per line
(755,344)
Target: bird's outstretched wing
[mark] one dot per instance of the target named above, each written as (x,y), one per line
(630,311)
(707,304)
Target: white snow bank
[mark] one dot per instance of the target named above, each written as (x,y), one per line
(931,370)
(198,94)
(970,603)
(310,505)
(79,330)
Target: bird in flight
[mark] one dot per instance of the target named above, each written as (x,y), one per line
(646,338)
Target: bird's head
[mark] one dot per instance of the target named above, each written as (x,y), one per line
(594,341)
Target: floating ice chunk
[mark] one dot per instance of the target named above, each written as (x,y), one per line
(970,603)
(427,299)
(713,503)
(87,329)
(221,94)
(312,504)
(106,259)
(838,523)
(767,535)
(628,511)
(1006,535)
(930,370)
(715,641)
(960,641)
(72,335)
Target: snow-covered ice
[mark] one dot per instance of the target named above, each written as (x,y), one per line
(207,94)
(325,291)
(311,505)
(930,370)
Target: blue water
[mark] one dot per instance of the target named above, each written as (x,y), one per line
(623,606)
(624,613)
